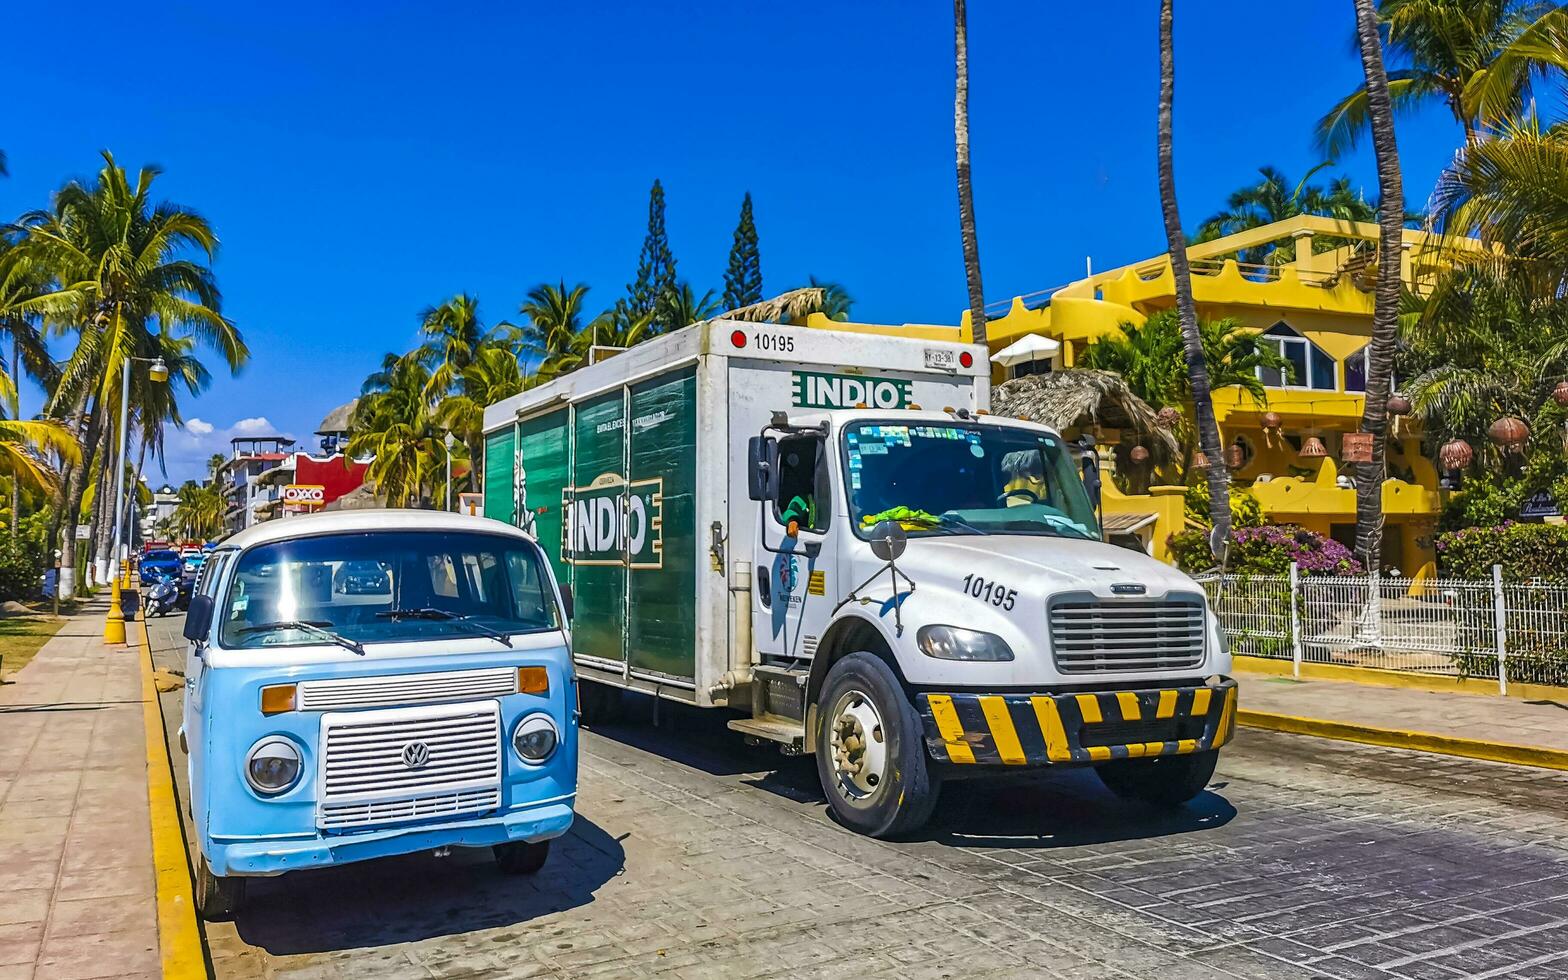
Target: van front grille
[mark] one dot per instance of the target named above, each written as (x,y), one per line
(400,689)
(1090,635)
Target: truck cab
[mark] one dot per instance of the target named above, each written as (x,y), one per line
(931,597)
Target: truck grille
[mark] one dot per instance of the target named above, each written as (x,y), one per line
(401,689)
(1099,636)
(409,763)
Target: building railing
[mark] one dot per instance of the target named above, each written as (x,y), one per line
(1480,628)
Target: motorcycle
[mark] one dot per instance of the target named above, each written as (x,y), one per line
(161,598)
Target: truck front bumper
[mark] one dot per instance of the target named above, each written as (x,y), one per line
(1044,729)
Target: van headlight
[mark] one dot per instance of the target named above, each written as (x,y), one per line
(957,643)
(272,766)
(534,739)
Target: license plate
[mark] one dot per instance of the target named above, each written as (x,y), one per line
(945,360)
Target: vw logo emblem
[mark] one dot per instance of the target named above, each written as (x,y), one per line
(416,755)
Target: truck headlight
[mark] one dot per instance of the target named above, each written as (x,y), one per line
(957,643)
(272,766)
(535,738)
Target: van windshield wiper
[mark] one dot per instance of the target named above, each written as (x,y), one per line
(306,626)
(444,615)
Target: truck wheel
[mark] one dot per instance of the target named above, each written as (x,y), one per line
(1166,781)
(870,754)
(600,703)
(217,898)
(521,858)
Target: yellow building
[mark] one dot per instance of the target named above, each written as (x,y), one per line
(1317,311)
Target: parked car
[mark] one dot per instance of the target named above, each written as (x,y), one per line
(324,727)
(193,558)
(154,565)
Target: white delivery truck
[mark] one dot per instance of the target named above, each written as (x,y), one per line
(824,531)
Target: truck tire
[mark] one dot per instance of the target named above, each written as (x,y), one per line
(521,858)
(1163,781)
(871,757)
(600,703)
(217,898)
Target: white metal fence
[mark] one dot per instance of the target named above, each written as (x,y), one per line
(1486,628)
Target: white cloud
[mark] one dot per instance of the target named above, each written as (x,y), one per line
(198,427)
(255,425)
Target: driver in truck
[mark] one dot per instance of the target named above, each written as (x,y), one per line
(1025,473)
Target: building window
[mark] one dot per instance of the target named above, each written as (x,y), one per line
(1310,365)
(1356,371)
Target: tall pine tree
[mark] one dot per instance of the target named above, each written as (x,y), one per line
(743,279)
(650,292)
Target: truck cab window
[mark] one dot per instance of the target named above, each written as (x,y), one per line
(803,484)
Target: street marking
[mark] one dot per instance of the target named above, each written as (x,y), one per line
(952,730)
(1002,730)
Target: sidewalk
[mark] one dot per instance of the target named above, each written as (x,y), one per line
(1503,729)
(79,897)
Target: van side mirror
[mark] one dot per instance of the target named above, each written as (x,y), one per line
(568,604)
(762,467)
(198,619)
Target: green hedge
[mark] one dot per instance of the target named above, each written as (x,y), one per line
(1528,553)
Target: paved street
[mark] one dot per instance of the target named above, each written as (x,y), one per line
(695,856)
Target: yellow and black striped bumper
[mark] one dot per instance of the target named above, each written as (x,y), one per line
(1040,729)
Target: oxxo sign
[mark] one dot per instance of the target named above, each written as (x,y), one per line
(809,389)
(308,494)
(611,522)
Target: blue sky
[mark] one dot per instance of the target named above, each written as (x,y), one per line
(363,161)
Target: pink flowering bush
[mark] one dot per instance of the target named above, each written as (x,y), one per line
(1267,550)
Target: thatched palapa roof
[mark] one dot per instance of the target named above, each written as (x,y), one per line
(796,304)
(1080,398)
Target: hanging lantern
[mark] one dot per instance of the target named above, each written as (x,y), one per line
(1200,461)
(1356,447)
(1510,434)
(1139,455)
(1560,393)
(1234,457)
(1167,417)
(1271,420)
(1313,448)
(1455,454)
(1398,405)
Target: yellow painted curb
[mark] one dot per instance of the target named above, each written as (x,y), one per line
(179,937)
(1378,677)
(1395,738)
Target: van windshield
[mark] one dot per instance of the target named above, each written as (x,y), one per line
(965,478)
(386,587)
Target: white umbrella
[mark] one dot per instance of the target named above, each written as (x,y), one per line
(1029,347)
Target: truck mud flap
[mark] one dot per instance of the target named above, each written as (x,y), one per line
(1044,729)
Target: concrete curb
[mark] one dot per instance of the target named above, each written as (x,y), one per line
(1519,755)
(179,935)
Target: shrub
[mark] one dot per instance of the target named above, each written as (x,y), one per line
(1245,511)
(1527,552)
(1268,549)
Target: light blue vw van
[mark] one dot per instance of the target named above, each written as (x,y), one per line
(370,683)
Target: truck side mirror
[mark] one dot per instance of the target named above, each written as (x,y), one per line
(568,604)
(198,619)
(762,467)
(888,540)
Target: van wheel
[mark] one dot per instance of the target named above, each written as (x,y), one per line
(1164,781)
(521,858)
(601,704)
(217,898)
(870,755)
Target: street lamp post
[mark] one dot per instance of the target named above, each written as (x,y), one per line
(158,372)
(450,439)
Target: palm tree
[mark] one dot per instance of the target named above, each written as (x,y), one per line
(1477,57)
(684,307)
(120,273)
(1508,191)
(966,197)
(1385,312)
(1192,341)
(198,513)
(496,374)
(554,315)
(1150,358)
(1273,199)
(454,335)
(395,425)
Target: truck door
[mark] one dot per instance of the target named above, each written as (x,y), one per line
(796,565)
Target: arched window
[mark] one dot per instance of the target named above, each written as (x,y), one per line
(1356,371)
(1310,365)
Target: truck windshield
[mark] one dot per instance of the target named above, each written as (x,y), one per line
(386,587)
(964,478)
